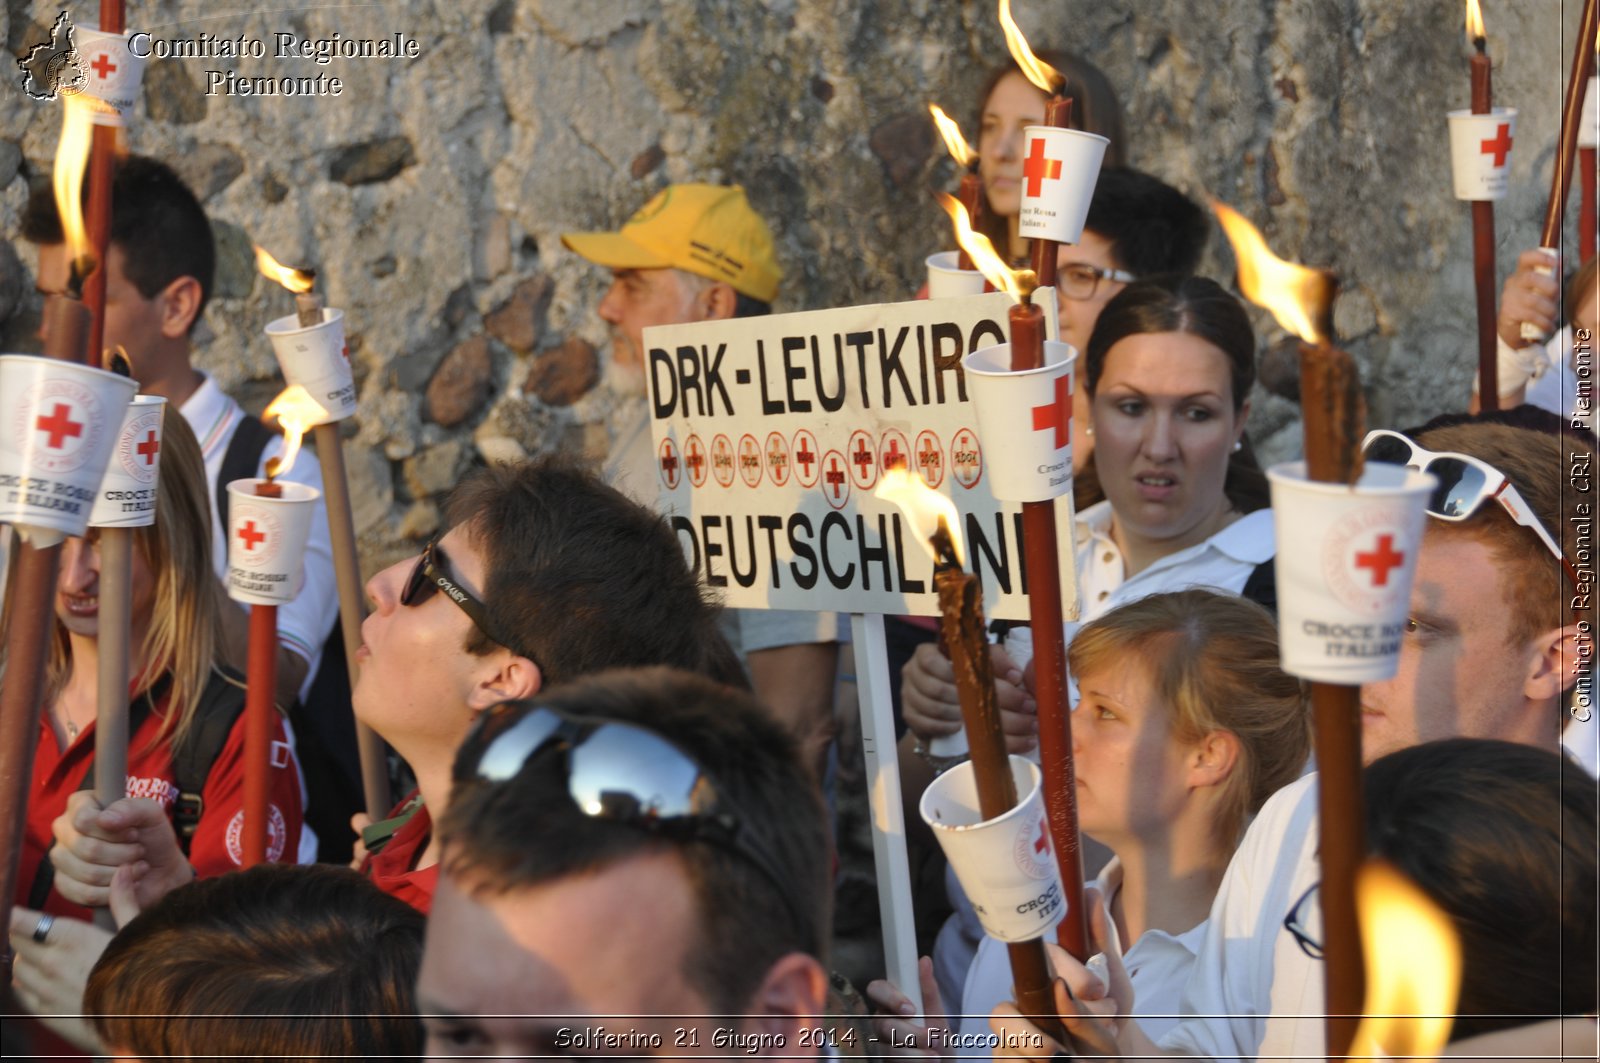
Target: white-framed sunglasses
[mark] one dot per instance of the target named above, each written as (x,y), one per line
(1465,484)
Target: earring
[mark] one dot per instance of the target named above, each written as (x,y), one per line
(1089,431)
(1238,445)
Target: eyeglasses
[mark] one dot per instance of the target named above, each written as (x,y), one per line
(432,573)
(1465,483)
(615,771)
(1295,923)
(1079,280)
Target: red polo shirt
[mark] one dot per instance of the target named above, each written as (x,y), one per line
(391,867)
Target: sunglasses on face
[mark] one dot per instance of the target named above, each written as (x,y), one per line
(1079,280)
(614,771)
(432,573)
(1465,484)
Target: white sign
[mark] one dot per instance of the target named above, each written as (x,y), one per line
(771,434)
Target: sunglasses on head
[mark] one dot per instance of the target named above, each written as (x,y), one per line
(432,573)
(1465,484)
(614,771)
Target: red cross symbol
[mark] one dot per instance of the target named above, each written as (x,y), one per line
(697,461)
(1499,146)
(669,467)
(1042,843)
(805,457)
(892,457)
(251,537)
(149,448)
(1038,169)
(1381,560)
(1058,414)
(103,65)
(862,458)
(835,477)
(59,426)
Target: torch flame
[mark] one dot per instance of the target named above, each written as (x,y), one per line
(1293,294)
(925,508)
(1044,76)
(954,142)
(72,157)
(1475,29)
(1413,967)
(1018,284)
(296,412)
(295,280)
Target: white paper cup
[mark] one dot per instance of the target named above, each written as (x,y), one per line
(1024,420)
(1480,152)
(1059,171)
(267,541)
(127,497)
(113,73)
(946,281)
(317,360)
(1345,561)
(58,423)
(1006,866)
(1589,125)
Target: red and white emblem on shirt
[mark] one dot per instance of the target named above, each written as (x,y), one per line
(277,835)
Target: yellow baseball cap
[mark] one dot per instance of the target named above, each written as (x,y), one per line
(708,230)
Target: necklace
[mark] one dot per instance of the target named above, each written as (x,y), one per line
(72,731)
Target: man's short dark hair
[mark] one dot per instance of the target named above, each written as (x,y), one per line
(505,836)
(156,222)
(1502,837)
(749,306)
(1151,226)
(275,962)
(581,579)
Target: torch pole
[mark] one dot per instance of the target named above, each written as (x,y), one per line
(1331,399)
(1571,112)
(347,574)
(97,219)
(261,682)
(1587,220)
(1483,253)
(30,598)
(1046,619)
(111,707)
(971,197)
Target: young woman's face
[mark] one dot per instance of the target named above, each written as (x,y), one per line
(1130,769)
(1164,427)
(78,588)
(1012,104)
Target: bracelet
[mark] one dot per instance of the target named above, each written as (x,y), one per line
(939,764)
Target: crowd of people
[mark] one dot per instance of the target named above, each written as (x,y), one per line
(614,836)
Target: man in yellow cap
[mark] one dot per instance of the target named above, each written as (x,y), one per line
(698,252)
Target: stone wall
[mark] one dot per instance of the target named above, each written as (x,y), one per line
(431,193)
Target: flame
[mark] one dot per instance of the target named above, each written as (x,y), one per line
(296,412)
(1046,77)
(954,142)
(1018,284)
(296,280)
(1475,21)
(1289,291)
(1413,967)
(72,157)
(924,508)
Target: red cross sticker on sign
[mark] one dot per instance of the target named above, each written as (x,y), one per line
(750,460)
(695,459)
(893,452)
(667,458)
(966,458)
(807,469)
(1381,561)
(59,426)
(1057,415)
(836,481)
(148,448)
(1037,169)
(863,455)
(778,459)
(930,459)
(722,459)
(250,536)
(1499,145)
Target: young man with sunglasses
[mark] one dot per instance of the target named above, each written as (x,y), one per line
(1499,638)
(545,575)
(634,864)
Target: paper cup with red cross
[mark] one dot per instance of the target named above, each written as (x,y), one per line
(267,541)
(1027,417)
(112,73)
(946,279)
(1059,171)
(58,425)
(1480,152)
(127,497)
(316,358)
(1345,561)
(1006,866)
